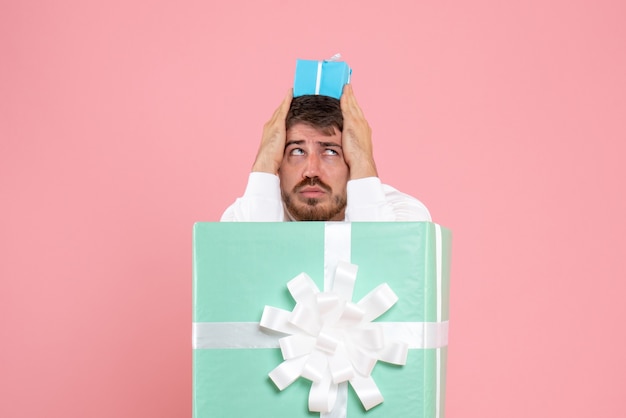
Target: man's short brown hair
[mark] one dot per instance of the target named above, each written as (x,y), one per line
(320,112)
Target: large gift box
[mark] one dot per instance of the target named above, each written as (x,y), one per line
(325,78)
(286,316)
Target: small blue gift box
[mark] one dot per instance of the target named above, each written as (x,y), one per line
(325,78)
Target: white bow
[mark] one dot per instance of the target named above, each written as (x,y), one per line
(332,339)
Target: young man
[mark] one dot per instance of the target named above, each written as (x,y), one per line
(316,163)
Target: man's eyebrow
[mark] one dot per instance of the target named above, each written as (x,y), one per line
(298,142)
(322,143)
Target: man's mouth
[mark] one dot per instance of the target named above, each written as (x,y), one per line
(312,188)
(311,192)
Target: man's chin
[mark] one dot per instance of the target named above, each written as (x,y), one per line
(317,212)
(314,209)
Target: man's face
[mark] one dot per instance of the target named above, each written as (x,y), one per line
(313,175)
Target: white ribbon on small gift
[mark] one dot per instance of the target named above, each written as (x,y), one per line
(332,340)
(318,79)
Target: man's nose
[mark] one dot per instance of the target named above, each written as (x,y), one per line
(312,168)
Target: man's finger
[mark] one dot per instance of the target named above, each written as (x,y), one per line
(284,106)
(349,101)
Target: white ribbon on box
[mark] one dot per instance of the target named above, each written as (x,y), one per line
(318,78)
(330,340)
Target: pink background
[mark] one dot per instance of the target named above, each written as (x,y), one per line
(122,123)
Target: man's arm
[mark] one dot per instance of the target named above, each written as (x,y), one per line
(261,202)
(356,138)
(272,147)
(368,198)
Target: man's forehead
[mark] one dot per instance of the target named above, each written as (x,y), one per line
(304,132)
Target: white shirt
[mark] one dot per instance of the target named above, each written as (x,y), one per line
(368,200)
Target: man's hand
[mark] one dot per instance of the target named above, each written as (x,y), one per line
(356,139)
(272,148)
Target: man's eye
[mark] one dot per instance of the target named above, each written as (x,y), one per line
(330,151)
(296,151)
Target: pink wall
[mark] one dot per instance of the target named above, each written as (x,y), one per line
(123,123)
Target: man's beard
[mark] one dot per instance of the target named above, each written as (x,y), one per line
(311,211)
